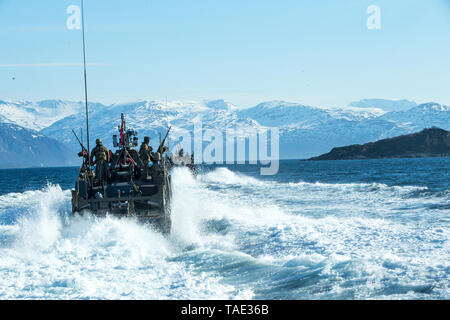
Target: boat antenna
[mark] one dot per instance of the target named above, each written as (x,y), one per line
(168,145)
(85,83)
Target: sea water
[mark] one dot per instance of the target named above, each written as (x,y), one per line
(359,229)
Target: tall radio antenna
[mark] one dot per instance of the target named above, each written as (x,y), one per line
(85,82)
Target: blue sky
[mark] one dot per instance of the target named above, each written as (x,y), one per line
(314,52)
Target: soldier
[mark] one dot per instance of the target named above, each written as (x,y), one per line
(101,154)
(145,153)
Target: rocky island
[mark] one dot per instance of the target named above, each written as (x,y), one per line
(432,142)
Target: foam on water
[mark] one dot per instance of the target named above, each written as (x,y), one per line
(46,256)
(233,236)
(373,233)
(224,176)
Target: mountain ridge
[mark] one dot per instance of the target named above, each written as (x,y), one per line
(25,148)
(305,131)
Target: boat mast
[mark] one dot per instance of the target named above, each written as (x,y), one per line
(85,83)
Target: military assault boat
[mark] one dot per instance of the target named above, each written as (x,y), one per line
(122,185)
(181,159)
(129,188)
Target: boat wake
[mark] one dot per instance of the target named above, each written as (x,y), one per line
(233,237)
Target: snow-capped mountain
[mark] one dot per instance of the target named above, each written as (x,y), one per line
(20,148)
(421,116)
(384,104)
(152,118)
(305,131)
(38,115)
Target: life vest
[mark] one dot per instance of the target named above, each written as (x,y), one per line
(144,152)
(101,153)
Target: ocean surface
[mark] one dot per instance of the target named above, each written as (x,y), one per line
(369,229)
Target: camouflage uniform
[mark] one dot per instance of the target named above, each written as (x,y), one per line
(101,154)
(145,153)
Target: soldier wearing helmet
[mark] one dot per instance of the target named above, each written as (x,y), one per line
(145,153)
(102,157)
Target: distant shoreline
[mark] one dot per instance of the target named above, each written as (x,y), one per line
(235,164)
(428,143)
(386,158)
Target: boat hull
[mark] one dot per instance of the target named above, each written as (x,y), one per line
(153,209)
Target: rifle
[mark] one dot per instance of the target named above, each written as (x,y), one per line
(84,151)
(161,146)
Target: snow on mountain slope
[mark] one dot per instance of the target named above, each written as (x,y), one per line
(354,113)
(384,104)
(421,116)
(152,118)
(37,115)
(304,131)
(286,114)
(21,147)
